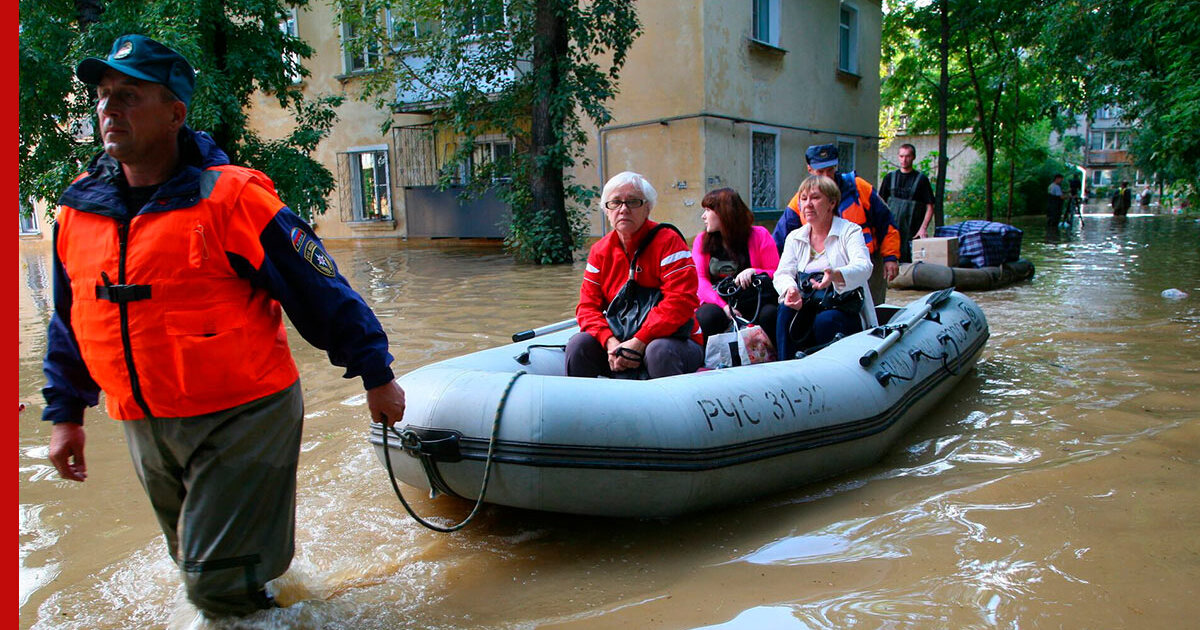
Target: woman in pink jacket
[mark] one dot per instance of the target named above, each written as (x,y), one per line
(731,245)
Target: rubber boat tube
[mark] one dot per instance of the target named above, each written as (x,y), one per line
(931,276)
(663,447)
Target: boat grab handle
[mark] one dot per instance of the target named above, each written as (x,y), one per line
(544,330)
(487,467)
(442,446)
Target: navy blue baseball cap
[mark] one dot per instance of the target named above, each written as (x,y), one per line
(143,58)
(821,156)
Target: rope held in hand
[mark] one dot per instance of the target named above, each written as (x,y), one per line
(411,438)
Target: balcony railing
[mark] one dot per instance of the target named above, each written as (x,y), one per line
(1097,157)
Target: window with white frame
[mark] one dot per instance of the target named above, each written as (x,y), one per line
(291,60)
(1102,140)
(358,54)
(765,21)
(848,39)
(488,151)
(370,183)
(404,27)
(846,149)
(764,170)
(1102,178)
(28,222)
(483,17)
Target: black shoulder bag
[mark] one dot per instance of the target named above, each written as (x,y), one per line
(628,309)
(750,300)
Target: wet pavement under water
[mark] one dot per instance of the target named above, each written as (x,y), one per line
(1054,487)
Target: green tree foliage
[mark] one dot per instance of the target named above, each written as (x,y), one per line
(527,69)
(236,47)
(1141,55)
(995,83)
(1013,63)
(1021,187)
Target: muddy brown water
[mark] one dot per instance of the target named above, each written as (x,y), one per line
(1056,486)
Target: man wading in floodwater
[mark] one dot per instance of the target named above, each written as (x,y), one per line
(171,267)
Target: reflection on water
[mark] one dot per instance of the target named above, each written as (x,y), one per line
(1054,487)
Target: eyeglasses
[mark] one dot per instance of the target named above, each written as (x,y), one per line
(613,204)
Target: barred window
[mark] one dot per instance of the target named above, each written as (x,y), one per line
(764,171)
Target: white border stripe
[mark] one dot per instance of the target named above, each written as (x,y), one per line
(679,255)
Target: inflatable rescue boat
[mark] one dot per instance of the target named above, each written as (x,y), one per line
(509,422)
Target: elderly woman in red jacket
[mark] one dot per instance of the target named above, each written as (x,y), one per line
(666,341)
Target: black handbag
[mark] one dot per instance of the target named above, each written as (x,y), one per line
(632,304)
(848,302)
(750,300)
(799,329)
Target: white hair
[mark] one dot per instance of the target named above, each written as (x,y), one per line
(629,177)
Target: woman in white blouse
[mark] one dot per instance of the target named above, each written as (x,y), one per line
(833,250)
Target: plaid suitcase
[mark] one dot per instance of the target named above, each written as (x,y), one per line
(984,243)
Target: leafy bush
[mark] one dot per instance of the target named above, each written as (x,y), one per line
(1035,167)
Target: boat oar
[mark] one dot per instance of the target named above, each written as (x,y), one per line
(544,330)
(893,332)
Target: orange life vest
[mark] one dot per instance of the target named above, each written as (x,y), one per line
(856,212)
(163,322)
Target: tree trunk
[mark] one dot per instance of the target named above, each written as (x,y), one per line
(222,134)
(1012,149)
(985,131)
(88,12)
(547,192)
(943,160)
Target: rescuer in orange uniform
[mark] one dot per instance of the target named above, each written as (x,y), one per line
(861,205)
(172,270)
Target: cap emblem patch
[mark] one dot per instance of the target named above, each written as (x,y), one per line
(124,51)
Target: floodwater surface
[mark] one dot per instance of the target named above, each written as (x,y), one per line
(1056,486)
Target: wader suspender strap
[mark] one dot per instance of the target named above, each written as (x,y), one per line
(910,191)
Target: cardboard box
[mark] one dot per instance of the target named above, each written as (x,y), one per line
(939,250)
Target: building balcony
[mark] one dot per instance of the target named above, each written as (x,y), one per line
(1106,157)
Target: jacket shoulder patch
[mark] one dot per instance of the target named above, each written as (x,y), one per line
(311,250)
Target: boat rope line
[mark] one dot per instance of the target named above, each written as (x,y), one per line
(944,337)
(885,376)
(410,442)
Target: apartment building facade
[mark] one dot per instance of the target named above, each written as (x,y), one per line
(715,93)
